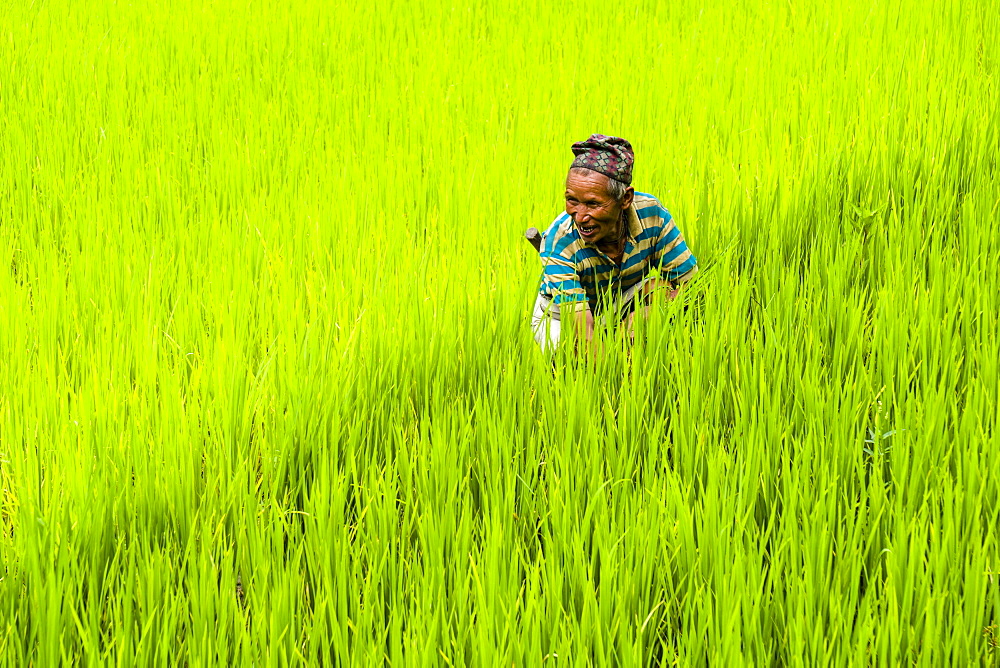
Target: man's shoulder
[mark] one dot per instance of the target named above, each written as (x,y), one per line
(562,224)
(560,235)
(648,207)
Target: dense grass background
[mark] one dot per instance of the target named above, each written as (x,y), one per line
(267,392)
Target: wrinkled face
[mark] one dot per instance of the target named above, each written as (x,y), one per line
(594,211)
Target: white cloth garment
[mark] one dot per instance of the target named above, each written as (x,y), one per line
(547,326)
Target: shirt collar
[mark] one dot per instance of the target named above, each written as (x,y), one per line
(634,226)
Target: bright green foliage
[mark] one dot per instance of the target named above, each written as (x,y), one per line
(267,392)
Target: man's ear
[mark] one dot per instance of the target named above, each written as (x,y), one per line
(629,197)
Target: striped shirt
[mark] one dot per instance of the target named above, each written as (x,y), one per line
(577,275)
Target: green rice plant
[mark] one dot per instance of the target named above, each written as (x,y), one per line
(268,393)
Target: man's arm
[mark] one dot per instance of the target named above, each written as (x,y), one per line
(581,329)
(677,263)
(562,282)
(677,266)
(667,287)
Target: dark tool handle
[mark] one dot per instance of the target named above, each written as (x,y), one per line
(535,237)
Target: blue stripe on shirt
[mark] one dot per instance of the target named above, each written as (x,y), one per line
(684,268)
(675,253)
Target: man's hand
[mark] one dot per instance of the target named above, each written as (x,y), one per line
(582,330)
(657,286)
(650,290)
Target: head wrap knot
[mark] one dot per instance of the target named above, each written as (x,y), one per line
(611,156)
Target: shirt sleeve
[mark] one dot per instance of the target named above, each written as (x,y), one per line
(676,262)
(561,281)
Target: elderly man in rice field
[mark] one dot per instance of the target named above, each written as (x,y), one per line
(610,252)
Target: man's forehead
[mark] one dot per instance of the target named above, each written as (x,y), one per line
(585,180)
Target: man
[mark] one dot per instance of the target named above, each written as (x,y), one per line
(599,255)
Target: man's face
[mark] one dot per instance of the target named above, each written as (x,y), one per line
(595,213)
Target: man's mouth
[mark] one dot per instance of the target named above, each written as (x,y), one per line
(588,230)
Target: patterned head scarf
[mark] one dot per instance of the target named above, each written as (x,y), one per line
(611,156)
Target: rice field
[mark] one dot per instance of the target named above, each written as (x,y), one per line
(268,394)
